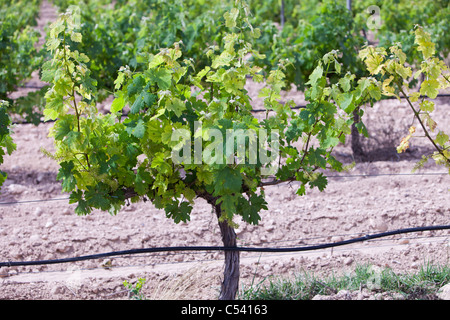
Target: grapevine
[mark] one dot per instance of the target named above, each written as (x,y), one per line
(107,159)
(181,126)
(7,146)
(395,75)
(18,55)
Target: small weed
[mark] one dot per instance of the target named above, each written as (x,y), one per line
(134,291)
(422,285)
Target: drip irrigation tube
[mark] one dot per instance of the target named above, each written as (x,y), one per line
(218,248)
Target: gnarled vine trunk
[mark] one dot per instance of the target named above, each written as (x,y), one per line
(358,153)
(230,284)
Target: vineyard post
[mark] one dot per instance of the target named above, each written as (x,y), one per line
(357,150)
(282,16)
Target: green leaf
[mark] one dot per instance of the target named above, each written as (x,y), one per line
(189,194)
(48,71)
(223,59)
(430,88)
(374,63)
(362,129)
(228,204)
(50,114)
(178,212)
(176,105)
(162,77)
(202,73)
(423,39)
(63,86)
(404,72)
(161,163)
(226,181)
(345,101)
(230,18)
(374,92)
(117,104)
(315,158)
(155,61)
(99,201)
(3,177)
(4,123)
(136,129)
(363,85)
(330,142)
(63,127)
(441,138)
(9,144)
(250,209)
(97,198)
(53,107)
(136,85)
(308,117)
(204,176)
(73,137)
(301,191)
(427,106)
(82,207)
(337,66)
(319,181)
(141,185)
(76,37)
(345,83)
(65,173)
(145,99)
(52,44)
(119,80)
(295,130)
(315,75)
(255,33)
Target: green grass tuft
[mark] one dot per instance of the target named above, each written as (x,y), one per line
(422,285)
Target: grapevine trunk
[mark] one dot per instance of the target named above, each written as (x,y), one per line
(231,274)
(357,150)
(230,282)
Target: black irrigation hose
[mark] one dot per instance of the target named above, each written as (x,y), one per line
(212,248)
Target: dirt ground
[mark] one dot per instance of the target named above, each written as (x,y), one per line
(375,196)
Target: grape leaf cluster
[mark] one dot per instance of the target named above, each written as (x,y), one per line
(394,75)
(128,154)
